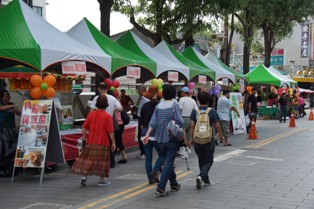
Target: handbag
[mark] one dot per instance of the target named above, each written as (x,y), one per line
(115,123)
(174,130)
(125,117)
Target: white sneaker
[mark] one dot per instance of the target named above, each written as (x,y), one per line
(198,182)
(141,157)
(104,183)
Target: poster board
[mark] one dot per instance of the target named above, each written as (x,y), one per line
(239,126)
(39,137)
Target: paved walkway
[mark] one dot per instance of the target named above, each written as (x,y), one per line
(275,171)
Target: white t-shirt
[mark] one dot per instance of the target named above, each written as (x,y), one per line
(187,104)
(223,108)
(112,104)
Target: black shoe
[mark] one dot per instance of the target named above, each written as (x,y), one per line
(175,188)
(161,193)
(111,166)
(155,176)
(151,181)
(206,183)
(83,181)
(216,143)
(123,161)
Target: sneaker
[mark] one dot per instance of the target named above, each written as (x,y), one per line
(103,183)
(141,157)
(206,184)
(151,181)
(198,182)
(161,193)
(155,176)
(83,181)
(175,188)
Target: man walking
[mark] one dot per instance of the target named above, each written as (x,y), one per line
(252,108)
(187,104)
(224,106)
(282,106)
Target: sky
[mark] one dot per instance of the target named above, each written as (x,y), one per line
(64,14)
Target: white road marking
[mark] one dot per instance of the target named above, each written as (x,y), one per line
(235,153)
(264,158)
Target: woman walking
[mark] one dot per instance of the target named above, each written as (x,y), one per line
(95,157)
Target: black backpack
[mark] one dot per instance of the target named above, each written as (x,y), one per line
(125,117)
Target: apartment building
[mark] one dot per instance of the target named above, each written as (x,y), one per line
(39,6)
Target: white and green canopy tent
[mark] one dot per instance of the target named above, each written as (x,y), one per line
(215,60)
(27,38)
(198,58)
(166,50)
(85,32)
(132,42)
(288,81)
(262,75)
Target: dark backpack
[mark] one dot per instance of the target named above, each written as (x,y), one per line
(125,117)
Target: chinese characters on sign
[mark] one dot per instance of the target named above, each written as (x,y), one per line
(239,126)
(133,72)
(277,57)
(202,79)
(74,67)
(173,76)
(33,134)
(305,28)
(62,85)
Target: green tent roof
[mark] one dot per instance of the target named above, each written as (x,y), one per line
(195,69)
(260,75)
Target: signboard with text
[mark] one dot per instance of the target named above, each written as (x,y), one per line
(277,57)
(305,33)
(62,85)
(173,76)
(74,68)
(133,72)
(202,79)
(239,126)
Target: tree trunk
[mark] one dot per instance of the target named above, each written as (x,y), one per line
(105,11)
(247,34)
(268,40)
(224,48)
(159,10)
(189,41)
(230,41)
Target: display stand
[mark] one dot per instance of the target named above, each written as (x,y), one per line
(239,126)
(39,137)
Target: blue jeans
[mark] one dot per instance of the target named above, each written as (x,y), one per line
(205,154)
(168,151)
(148,148)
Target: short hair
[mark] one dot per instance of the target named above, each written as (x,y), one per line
(254,89)
(141,88)
(203,97)
(102,102)
(103,86)
(169,92)
(122,90)
(4,92)
(224,92)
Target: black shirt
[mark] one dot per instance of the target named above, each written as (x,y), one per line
(253,101)
(147,112)
(283,101)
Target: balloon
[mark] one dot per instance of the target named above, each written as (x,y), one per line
(160,83)
(50,80)
(112,89)
(44,86)
(191,91)
(191,85)
(216,92)
(211,92)
(233,88)
(115,83)
(108,82)
(218,88)
(50,92)
(36,80)
(116,93)
(159,94)
(155,82)
(36,93)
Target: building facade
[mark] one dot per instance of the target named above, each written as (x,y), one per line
(39,6)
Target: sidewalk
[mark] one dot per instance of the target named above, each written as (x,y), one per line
(275,171)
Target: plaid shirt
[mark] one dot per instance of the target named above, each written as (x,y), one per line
(162,115)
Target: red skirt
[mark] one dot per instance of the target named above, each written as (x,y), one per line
(94,160)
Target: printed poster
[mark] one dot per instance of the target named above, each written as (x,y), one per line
(239,126)
(67,115)
(34,132)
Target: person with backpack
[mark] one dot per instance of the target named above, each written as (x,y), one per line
(203,119)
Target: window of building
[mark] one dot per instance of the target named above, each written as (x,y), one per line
(38,10)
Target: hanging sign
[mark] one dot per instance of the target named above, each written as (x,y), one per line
(305,37)
(293,87)
(225,81)
(238,124)
(284,85)
(202,79)
(241,81)
(133,72)
(173,76)
(74,67)
(61,85)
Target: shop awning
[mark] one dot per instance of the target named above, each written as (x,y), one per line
(133,43)
(198,58)
(165,49)
(28,38)
(86,33)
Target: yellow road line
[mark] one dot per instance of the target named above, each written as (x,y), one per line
(118,194)
(139,192)
(275,138)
